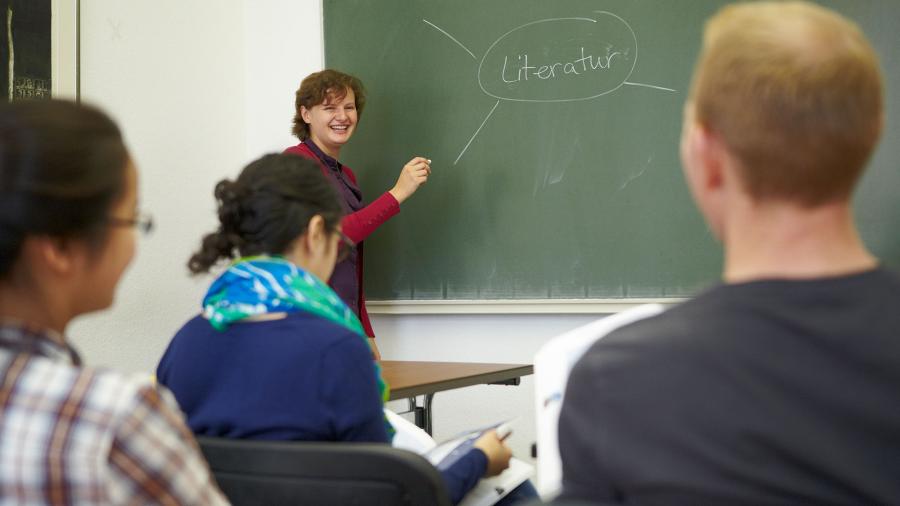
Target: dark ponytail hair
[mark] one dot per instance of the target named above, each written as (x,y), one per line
(62,166)
(266,209)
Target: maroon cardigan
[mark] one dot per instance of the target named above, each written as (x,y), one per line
(357,226)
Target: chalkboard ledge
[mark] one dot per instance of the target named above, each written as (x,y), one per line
(512,306)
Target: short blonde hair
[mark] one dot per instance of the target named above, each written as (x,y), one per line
(795,92)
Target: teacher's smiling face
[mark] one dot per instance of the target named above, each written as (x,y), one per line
(332,122)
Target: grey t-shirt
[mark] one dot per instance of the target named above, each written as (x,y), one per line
(762,393)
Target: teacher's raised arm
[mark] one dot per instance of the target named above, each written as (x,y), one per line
(329,105)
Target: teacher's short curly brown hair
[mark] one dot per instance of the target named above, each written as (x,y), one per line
(317,87)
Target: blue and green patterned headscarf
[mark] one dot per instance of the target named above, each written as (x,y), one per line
(259,285)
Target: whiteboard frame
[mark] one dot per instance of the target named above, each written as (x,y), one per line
(513,306)
(64,49)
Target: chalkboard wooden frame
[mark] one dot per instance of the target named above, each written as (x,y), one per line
(65,45)
(512,306)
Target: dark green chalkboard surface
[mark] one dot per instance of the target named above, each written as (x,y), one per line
(553,128)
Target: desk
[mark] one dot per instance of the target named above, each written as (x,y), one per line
(409,379)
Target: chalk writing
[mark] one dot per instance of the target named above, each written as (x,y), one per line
(594,55)
(508,71)
(26,88)
(558,68)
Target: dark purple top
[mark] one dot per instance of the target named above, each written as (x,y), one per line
(344,280)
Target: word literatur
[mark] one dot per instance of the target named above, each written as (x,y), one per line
(586,63)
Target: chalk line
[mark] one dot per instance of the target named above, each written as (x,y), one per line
(639,174)
(629,83)
(476,132)
(436,27)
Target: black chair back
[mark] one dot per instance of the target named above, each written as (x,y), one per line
(276,473)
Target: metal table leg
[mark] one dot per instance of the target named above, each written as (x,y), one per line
(422,413)
(419,413)
(427,413)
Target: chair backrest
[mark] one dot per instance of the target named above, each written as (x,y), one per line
(552,365)
(273,473)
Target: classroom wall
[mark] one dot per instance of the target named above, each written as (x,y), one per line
(201,88)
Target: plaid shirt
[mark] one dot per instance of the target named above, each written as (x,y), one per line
(71,435)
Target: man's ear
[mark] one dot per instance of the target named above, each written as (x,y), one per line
(304,113)
(710,155)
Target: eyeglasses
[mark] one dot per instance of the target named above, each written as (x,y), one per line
(344,247)
(143,222)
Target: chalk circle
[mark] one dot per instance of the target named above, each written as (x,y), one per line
(551,44)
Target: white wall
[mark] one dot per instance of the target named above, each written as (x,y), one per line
(172,73)
(200,88)
(282,45)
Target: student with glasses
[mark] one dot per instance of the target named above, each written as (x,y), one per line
(71,434)
(275,353)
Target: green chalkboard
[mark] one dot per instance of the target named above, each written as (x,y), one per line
(553,127)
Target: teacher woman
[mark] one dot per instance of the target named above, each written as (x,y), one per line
(329,104)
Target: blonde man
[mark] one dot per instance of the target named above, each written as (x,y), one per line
(780,385)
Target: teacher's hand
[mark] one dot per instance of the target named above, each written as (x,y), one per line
(413,175)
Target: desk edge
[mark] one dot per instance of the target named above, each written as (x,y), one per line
(466,381)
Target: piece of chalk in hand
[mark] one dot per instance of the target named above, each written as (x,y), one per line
(503,431)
